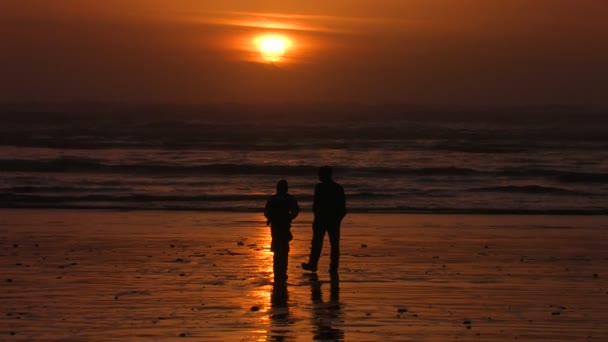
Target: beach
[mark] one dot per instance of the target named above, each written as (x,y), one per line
(145,146)
(95,275)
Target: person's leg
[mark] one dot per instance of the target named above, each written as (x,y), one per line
(334,239)
(280,259)
(318,234)
(335,288)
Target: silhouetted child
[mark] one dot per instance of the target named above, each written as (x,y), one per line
(280,210)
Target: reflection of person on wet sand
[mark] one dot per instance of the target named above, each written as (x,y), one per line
(326,315)
(279,313)
(280,210)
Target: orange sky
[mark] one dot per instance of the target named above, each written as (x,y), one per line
(365,51)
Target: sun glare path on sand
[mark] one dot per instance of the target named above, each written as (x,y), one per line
(272,47)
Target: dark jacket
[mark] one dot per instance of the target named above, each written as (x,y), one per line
(329,202)
(280,210)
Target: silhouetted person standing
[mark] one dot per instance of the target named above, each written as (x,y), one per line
(280,210)
(329,208)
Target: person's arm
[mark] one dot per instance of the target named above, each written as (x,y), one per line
(342,202)
(267,212)
(295,208)
(315,201)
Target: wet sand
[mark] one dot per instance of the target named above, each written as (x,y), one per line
(139,276)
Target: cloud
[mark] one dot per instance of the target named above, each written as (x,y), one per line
(301,22)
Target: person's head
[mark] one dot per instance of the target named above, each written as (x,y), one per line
(282,187)
(325,173)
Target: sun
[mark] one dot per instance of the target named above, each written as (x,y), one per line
(272,47)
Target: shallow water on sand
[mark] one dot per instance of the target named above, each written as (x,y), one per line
(96,275)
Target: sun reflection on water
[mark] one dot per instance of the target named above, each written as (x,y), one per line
(264,255)
(264,270)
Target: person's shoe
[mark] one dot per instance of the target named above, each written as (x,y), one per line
(308,267)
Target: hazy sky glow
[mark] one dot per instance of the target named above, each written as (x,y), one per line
(370,51)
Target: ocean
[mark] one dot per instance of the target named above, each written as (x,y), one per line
(233,163)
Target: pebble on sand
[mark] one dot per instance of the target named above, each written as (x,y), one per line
(9,280)
(467,322)
(240,243)
(183,335)
(363,245)
(402,310)
(255,308)
(15,245)
(595,275)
